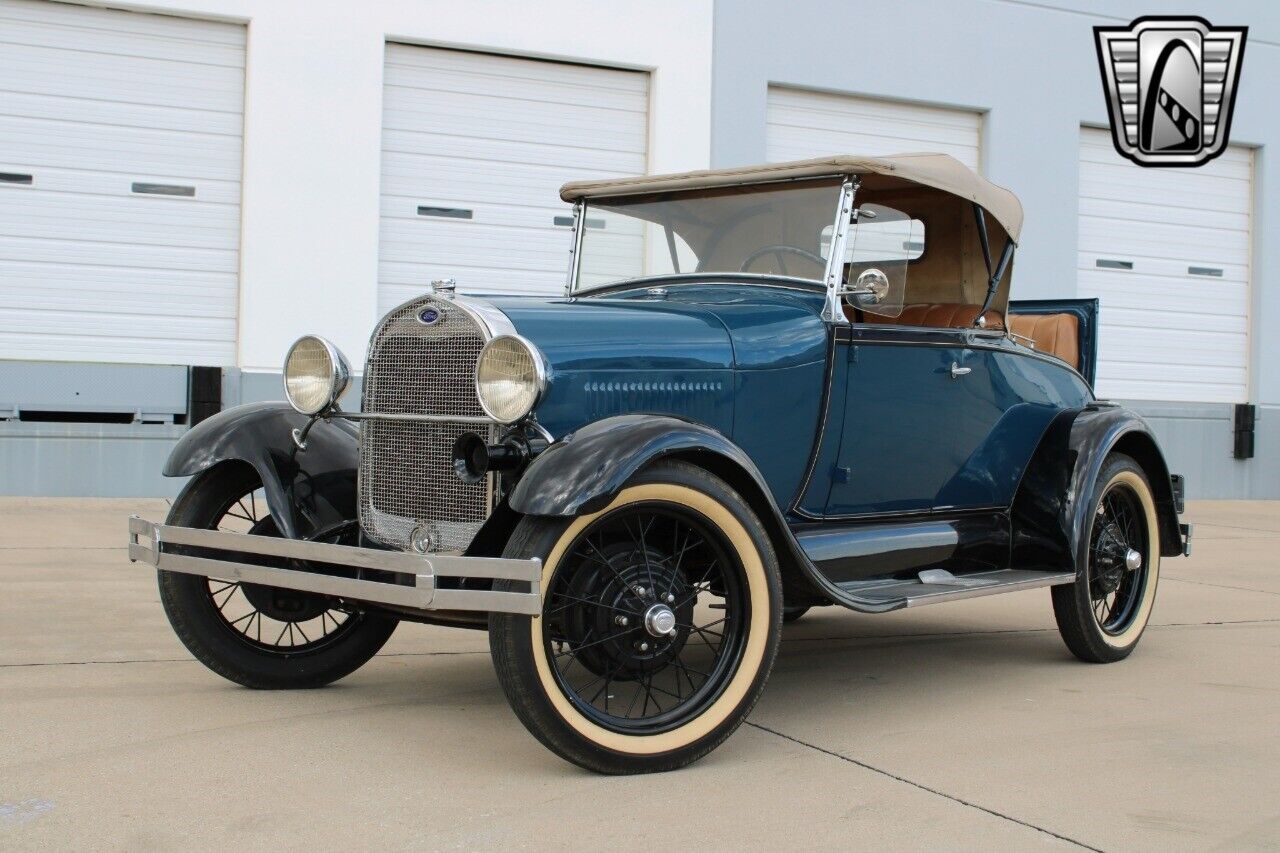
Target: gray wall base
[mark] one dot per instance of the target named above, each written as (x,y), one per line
(86,460)
(1197,441)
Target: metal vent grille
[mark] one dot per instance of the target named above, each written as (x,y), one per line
(406,467)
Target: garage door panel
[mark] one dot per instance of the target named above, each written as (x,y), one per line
(1210,296)
(166,291)
(474,79)
(108,113)
(1226,215)
(129,42)
(495,137)
(1164,317)
(79,74)
(1235,163)
(155,221)
(177,258)
(75,181)
(407,150)
(803,124)
(87,22)
(122,150)
(509,118)
(93,101)
(1125,240)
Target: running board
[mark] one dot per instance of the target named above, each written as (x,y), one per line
(934,586)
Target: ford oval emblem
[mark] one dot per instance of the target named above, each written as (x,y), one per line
(429,316)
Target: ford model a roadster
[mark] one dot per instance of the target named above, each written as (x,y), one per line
(764,389)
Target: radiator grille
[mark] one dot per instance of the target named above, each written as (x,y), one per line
(406,467)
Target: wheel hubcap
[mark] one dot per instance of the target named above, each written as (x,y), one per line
(660,621)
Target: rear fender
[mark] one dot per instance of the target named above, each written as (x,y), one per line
(1050,512)
(306,491)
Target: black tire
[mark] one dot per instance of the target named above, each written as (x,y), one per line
(1101,616)
(674,496)
(794,613)
(191,603)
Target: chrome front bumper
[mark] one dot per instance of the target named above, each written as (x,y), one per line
(258,559)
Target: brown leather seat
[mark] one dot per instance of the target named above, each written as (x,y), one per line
(1055,334)
(939,315)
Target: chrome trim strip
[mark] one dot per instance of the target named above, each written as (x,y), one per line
(575,249)
(1050,579)
(411,416)
(832,311)
(424,568)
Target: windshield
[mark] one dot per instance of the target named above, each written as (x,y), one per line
(774,229)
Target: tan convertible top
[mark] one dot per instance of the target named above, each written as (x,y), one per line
(931,170)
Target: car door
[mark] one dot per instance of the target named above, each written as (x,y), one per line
(917,408)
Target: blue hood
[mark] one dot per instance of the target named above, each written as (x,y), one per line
(747,360)
(694,327)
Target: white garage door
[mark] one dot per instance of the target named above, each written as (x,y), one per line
(120,139)
(812,124)
(474,150)
(1166,251)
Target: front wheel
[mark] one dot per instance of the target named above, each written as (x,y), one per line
(1102,615)
(660,624)
(254,635)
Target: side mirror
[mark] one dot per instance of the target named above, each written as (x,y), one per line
(871,288)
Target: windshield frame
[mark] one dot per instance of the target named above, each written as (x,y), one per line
(842,201)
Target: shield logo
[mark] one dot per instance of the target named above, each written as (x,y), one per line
(1170,85)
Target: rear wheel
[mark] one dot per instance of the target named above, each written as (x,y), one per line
(1102,615)
(255,635)
(660,623)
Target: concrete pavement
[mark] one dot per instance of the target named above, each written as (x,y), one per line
(963,726)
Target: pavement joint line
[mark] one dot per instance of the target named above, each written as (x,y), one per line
(1222,586)
(1237,527)
(938,793)
(790,640)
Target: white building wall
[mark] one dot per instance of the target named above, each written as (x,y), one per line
(313,117)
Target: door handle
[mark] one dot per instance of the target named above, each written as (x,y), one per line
(957,371)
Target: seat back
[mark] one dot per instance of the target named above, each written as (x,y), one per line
(1055,334)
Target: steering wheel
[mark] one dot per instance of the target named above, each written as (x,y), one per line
(780,251)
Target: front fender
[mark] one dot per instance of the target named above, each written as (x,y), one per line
(586,469)
(306,491)
(1050,512)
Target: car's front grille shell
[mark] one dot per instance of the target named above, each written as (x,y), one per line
(406,468)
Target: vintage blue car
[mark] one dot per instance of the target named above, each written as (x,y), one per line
(764,389)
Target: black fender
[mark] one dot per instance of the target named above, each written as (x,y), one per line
(587,468)
(1050,511)
(306,490)
(584,471)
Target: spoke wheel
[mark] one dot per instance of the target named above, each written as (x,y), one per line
(1103,614)
(1117,559)
(660,622)
(259,636)
(644,618)
(270,619)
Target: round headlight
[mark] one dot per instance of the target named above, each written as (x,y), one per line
(510,377)
(315,375)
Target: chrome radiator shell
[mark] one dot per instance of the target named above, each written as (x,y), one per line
(406,480)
